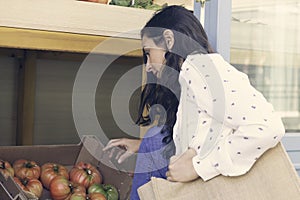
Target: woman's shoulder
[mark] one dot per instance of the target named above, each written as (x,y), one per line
(212,68)
(205,60)
(207,63)
(198,54)
(212,62)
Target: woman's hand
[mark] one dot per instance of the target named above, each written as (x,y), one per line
(181,167)
(127,147)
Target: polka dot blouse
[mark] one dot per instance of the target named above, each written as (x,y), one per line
(226,120)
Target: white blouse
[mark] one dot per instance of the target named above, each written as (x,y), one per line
(226,120)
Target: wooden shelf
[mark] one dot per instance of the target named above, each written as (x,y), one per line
(70,25)
(67,42)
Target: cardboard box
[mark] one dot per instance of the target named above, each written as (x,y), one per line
(89,150)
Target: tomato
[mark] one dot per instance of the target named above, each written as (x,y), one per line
(50,170)
(30,185)
(78,196)
(62,189)
(85,174)
(96,188)
(96,196)
(109,191)
(26,169)
(6,169)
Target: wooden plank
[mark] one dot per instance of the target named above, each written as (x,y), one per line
(26,99)
(66,42)
(74,17)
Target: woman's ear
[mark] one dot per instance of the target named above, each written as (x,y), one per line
(169,38)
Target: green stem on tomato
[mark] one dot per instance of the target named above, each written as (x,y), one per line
(28,165)
(2,164)
(24,181)
(88,171)
(55,168)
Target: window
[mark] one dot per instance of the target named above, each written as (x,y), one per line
(265,44)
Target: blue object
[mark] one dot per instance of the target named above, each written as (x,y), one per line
(150,160)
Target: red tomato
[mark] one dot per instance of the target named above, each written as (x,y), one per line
(62,189)
(96,196)
(50,170)
(30,185)
(85,174)
(6,169)
(26,169)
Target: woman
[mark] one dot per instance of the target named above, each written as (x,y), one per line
(210,116)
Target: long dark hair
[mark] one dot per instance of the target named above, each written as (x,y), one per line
(189,37)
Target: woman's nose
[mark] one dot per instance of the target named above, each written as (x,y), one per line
(148,67)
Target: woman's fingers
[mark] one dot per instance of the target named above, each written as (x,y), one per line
(169,176)
(181,167)
(170,173)
(120,152)
(124,156)
(110,144)
(111,153)
(113,143)
(122,148)
(173,159)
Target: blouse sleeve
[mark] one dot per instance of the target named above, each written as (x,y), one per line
(252,125)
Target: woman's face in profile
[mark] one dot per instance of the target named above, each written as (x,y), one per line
(155,56)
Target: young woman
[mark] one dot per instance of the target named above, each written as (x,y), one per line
(211,120)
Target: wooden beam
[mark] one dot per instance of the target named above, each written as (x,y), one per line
(27,79)
(75,17)
(65,42)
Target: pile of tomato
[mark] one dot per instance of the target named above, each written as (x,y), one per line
(82,182)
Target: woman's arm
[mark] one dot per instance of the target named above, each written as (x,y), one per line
(236,153)
(181,167)
(252,127)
